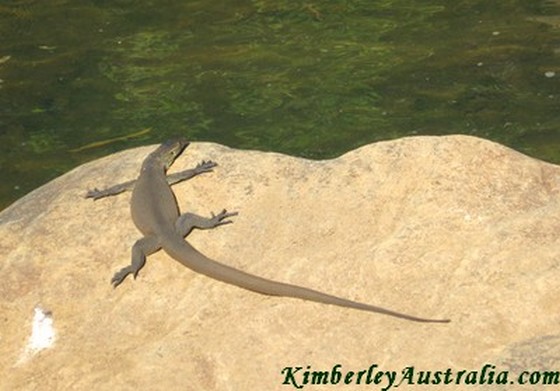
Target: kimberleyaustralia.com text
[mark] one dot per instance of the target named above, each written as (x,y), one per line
(299,377)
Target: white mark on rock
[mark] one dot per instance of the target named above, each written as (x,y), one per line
(42,334)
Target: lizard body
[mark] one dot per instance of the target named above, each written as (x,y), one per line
(155,213)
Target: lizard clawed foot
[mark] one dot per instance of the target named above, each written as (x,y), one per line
(205,166)
(121,275)
(218,219)
(95,194)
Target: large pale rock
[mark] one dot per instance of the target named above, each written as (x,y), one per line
(454,227)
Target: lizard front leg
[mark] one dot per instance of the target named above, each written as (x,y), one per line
(202,167)
(140,250)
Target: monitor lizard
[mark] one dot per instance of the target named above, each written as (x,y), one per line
(156,214)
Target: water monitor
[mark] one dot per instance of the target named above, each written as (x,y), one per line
(156,214)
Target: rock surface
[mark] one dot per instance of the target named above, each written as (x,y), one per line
(452,226)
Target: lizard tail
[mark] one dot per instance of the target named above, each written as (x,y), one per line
(179,249)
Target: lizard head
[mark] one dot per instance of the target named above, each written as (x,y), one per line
(169,150)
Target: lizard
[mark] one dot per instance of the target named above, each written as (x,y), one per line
(155,213)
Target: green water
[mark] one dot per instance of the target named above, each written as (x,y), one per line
(312,79)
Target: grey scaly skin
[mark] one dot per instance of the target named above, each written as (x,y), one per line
(156,214)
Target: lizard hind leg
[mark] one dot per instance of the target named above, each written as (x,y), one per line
(140,250)
(189,221)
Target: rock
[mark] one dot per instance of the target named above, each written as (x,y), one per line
(452,226)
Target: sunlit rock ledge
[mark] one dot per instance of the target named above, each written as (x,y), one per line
(443,227)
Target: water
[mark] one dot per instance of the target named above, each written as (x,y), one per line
(80,80)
